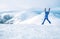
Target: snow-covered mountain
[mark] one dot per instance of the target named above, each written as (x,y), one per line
(56,12)
(32,16)
(27,25)
(39,19)
(24,15)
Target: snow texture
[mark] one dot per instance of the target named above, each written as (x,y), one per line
(27,25)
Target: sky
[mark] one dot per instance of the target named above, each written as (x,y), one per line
(26,4)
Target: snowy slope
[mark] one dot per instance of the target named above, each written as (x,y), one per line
(34,16)
(29,31)
(31,27)
(24,15)
(56,12)
(39,19)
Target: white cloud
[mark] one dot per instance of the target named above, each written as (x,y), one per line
(25,4)
(3,7)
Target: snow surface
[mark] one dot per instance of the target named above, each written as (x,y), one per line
(29,31)
(30,27)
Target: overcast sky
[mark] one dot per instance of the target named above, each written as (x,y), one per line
(26,4)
